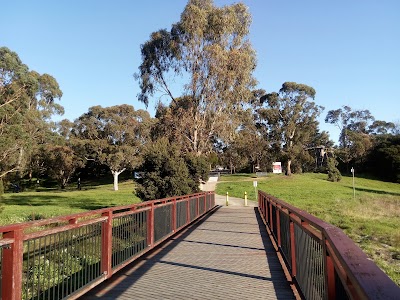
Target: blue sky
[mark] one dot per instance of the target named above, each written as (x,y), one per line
(349,51)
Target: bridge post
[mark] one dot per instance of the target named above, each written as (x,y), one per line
(197,206)
(227,199)
(174,213)
(188,211)
(12,266)
(271,220)
(150,226)
(293,248)
(330,272)
(278,226)
(106,245)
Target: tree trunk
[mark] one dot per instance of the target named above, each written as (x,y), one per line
(116,174)
(63,183)
(289,162)
(288,169)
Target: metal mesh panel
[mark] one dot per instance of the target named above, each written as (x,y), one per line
(202,208)
(340,291)
(181,214)
(57,265)
(192,208)
(266,211)
(129,234)
(285,237)
(162,221)
(310,265)
(274,225)
(208,201)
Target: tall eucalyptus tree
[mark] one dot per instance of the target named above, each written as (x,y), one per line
(112,136)
(291,119)
(26,105)
(209,50)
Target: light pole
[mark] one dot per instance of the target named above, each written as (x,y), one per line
(354,189)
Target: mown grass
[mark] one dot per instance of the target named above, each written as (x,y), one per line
(371,219)
(46,203)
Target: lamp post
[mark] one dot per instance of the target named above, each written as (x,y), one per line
(354,189)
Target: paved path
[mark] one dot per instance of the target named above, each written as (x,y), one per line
(221,200)
(228,255)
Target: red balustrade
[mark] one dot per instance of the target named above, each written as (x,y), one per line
(320,259)
(66,256)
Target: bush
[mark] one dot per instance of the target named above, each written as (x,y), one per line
(333,172)
(198,167)
(165,173)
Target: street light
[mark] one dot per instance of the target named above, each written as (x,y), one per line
(354,189)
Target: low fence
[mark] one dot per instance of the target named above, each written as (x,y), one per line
(66,256)
(321,260)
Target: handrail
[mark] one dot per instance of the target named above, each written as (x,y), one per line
(322,261)
(43,222)
(65,256)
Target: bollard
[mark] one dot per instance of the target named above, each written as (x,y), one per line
(227,199)
(245,198)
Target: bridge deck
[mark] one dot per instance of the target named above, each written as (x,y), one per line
(228,255)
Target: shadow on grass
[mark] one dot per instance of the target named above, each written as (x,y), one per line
(381,192)
(88,204)
(56,201)
(21,199)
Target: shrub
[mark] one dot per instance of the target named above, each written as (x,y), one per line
(198,168)
(333,172)
(165,173)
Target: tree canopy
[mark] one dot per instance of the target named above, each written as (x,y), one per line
(209,49)
(113,136)
(26,105)
(290,117)
(165,172)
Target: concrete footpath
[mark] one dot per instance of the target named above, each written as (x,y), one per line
(221,200)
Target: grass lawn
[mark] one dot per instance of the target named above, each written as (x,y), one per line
(372,219)
(45,203)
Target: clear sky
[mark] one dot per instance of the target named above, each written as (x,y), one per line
(349,51)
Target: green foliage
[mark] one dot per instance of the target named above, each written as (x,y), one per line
(333,172)
(26,106)
(165,173)
(61,163)
(354,140)
(384,159)
(247,149)
(290,118)
(198,168)
(212,158)
(113,136)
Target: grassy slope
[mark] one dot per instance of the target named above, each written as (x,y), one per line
(20,207)
(372,219)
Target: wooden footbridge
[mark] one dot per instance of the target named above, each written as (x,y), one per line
(187,248)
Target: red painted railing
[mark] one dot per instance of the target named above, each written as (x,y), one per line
(66,256)
(319,258)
